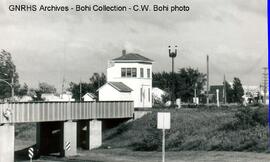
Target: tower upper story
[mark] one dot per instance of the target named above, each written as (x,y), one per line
(130,66)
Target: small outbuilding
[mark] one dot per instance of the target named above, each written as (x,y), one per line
(89,97)
(115,91)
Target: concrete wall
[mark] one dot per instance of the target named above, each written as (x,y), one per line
(70,138)
(7,143)
(95,134)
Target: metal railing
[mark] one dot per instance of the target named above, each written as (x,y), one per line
(61,111)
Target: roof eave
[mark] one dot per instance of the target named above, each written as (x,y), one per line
(133,61)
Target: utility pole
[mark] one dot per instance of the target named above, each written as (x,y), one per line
(224,90)
(195,94)
(173,55)
(12,86)
(63,85)
(80,90)
(207,86)
(265,80)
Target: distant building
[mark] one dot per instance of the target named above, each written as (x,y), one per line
(25,98)
(135,72)
(213,93)
(67,96)
(50,97)
(251,90)
(256,93)
(54,98)
(89,97)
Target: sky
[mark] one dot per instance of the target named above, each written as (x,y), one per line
(47,46)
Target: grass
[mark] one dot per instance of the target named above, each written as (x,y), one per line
(25,131)
(220,129)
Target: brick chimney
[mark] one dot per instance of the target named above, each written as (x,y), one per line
(124,52)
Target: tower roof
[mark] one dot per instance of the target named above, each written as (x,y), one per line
(133,57)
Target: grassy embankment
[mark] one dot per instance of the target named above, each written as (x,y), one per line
(220,129)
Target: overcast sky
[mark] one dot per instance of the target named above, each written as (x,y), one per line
(47,46)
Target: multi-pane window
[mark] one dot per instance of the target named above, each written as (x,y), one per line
(141,72)
(129,72)
(134,72)
(123,72)
(148,73)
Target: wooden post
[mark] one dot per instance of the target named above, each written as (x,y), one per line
(217,97)
(207,90)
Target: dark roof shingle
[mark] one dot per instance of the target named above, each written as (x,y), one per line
(121,87)
(133,57)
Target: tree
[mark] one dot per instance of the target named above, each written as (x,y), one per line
(186,81)
(229,92)
(23,90)
(75,89)
(95,81)
(189,79)
(44,87)
(7,73)
(162,80)
(238,90)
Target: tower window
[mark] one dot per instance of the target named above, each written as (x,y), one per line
(148,73)
(123,72)
(134,72)
(141,72)
(128,72)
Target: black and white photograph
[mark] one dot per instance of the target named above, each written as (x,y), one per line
(134,81)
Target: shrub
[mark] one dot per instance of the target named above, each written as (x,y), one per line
(149,142)
(260,116)
(249,117)
(245,117)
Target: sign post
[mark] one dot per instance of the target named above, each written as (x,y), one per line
(163,122)
(30,153)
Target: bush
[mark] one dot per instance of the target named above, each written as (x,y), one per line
(149,142)
(260,116)
(249,117)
